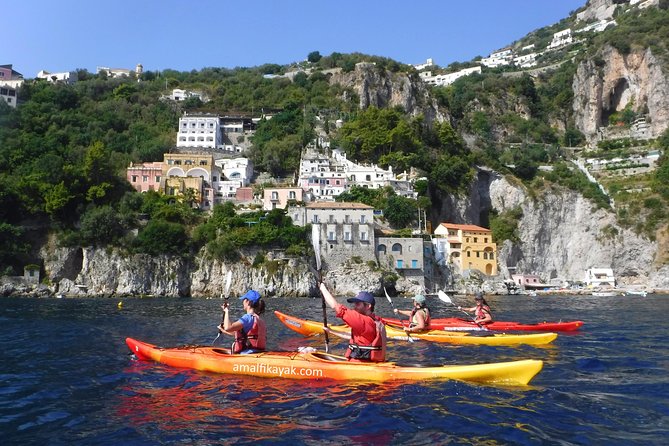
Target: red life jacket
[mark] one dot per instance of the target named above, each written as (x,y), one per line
(360,349)
(481,312)
(255,339)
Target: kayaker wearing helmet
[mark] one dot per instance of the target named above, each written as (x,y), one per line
(482,313)
(250,331)
(368,334)
(419,316)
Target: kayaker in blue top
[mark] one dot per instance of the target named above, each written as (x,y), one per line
(419,316)
(250,331)
(482,313)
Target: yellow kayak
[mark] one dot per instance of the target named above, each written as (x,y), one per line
(311,328)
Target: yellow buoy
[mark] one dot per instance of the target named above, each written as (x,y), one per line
(120,304)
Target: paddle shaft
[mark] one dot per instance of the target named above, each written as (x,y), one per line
(409,338)
(316,243)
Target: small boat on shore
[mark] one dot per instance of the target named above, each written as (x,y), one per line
(642,293)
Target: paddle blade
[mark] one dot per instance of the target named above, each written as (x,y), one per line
(444,297)
(387,295)
(228,282)
(316,243)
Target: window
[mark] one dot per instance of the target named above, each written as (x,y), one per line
(476,240)
(347,236)
(347,219)
(485,240)
(469,253)
(291,195)
(381,249)
(145,179)
(157,179)
(414,264)
(491,256)
(363,237)
(368,178)
(331,236)
(362,219)
(337,182)
(400,264)
(275,195)
(477,254)
(314,219)
(134,178)
(203,162)
(467,239)
(331,219)
(214,178)
(397,248)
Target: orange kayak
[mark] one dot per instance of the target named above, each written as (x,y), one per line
(320,365)
(311,328)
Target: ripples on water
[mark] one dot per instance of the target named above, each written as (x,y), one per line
(67,378)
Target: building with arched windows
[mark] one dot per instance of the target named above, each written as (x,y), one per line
(465,247)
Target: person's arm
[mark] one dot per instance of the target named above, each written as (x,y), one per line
(329,298)
(468,310)
(403,312)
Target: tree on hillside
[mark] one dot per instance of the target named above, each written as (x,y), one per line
(400,211)
(314,56)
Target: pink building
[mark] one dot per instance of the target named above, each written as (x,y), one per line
(146,176)
(278,197)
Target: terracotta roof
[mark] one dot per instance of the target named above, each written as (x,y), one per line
(464,227)
(337,205)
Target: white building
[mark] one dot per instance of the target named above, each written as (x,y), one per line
(447,79)
(8,94)
(66,77)
(421,66)
(597,277)
(598,26)
(199,131)
(526,61)
(372,176)
(498,58)
(120,72)
(179,95)
(561,38)
(233,174)
(320,177)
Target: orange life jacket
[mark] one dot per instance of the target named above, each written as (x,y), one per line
(255,339)
(374,352)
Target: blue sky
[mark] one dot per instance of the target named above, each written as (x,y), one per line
(185,35)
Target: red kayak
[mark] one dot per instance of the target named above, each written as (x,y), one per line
(455,323)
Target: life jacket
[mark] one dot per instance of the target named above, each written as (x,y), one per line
(481,311)
(426,315)
(255,339)
(376,352)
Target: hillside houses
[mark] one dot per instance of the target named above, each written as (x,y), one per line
(10,82)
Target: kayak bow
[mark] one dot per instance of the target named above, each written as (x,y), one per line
(455,323)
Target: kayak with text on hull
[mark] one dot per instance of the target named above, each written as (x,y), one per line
(456,323)
(311,328)
(320,365)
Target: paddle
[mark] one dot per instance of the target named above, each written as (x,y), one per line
(410,339)
(316,243)
(228,282)
(444,298)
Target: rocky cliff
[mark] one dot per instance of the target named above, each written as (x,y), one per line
(611,81)
(382,88)
(95,271)
(562,234)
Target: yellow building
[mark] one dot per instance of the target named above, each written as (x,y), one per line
(466,247)
(183,171)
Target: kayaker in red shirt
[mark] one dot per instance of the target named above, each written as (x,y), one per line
(368,334)
(482,313)
(419,316)
(249,331)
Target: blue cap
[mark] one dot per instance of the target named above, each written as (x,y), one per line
(251,295)
(419,298)
(363,296)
